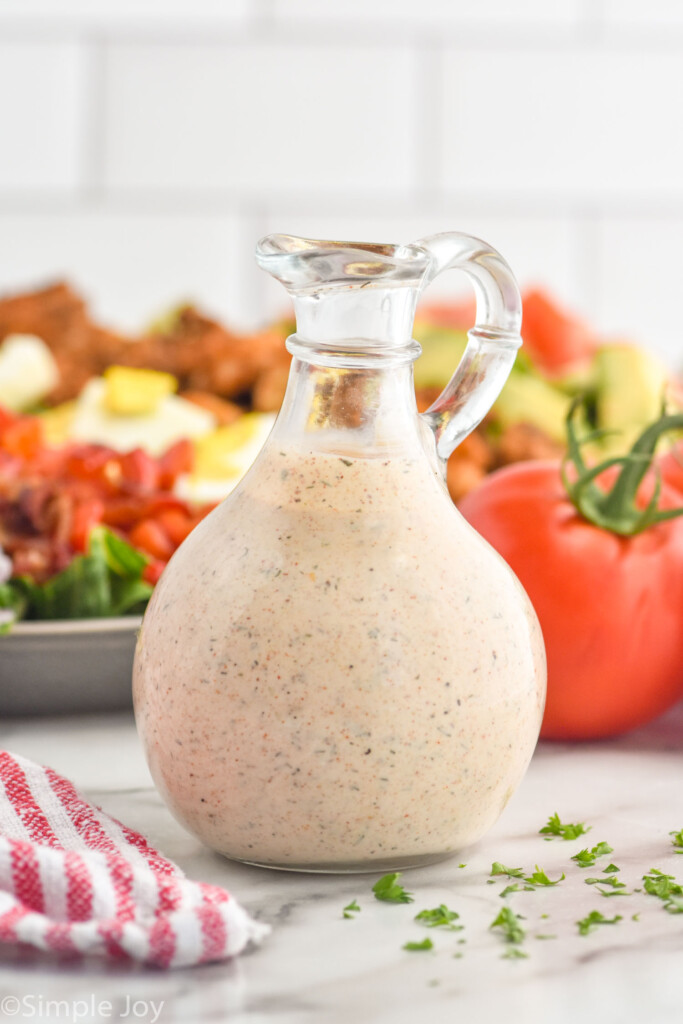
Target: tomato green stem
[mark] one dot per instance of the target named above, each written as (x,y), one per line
(615,509)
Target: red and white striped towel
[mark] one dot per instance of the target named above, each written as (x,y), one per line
(72,879)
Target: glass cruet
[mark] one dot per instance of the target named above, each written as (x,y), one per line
(335,672)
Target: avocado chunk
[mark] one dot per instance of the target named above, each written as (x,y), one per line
(631,385)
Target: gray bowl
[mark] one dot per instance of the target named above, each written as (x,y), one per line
(67,666)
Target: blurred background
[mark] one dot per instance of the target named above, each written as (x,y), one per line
(147,145)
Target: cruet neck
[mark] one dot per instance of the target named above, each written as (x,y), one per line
(354,295)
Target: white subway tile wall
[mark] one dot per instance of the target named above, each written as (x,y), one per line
(147,144)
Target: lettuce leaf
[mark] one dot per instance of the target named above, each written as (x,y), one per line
(104,582)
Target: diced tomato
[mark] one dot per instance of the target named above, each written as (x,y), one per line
(178,459)
(139,471)
(6,418)
(153,571)
(86,515)
(176,524)
(459,315)
(124,512)
(554,339)
(23,437)
(150,537)
(95,463)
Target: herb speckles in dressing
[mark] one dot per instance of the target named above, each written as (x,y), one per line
(365,687)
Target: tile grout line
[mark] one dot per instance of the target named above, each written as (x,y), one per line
(427,128)
(94,120)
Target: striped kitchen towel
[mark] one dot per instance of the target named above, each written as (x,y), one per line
(74,880)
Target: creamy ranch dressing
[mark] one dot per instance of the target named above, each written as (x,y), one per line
(348,676)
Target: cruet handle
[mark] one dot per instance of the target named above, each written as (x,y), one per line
(492,342)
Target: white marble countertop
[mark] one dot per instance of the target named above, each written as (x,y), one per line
(317,967)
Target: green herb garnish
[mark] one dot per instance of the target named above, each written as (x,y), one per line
(612,880)
(595,918)
(516,887)
(665,888)
(538,877)
(414,947)
(508,922)
(610,869)
(677,840)
(106,581)
(351,909)
(440,917)
(389,890)
(556,828)
(499,869)
(587,858)
(514,953)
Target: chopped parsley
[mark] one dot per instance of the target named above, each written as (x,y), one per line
(612,880)
(538,877)
(511,929)
(611,868)
(415,947)
(514,953)
(440,917)
(677,840)
(499,869)
(590,923)
(389,890)
(351,909)
(665,888)
(555,827)
(516,887)
(587,858)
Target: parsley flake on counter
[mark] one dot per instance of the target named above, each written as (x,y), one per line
(542,936)
(516,887)
(587,858)
(677,840)
(440,917)
(499,869)
(508,922)
(612,880)
(610,869)
(415,947)
(539,877)
(590,923)
(389,890)
(514,953)
(665,888)
(351,909)
(555,827)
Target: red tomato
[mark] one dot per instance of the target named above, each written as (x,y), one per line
(139,472)
(24,437)
(152,572)
(554,339)
(149,536)
(610,607)
(671,468)
(177,459)
(98,465)
(85,515)
(176,524)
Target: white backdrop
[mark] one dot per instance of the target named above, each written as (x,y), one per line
(145,145)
